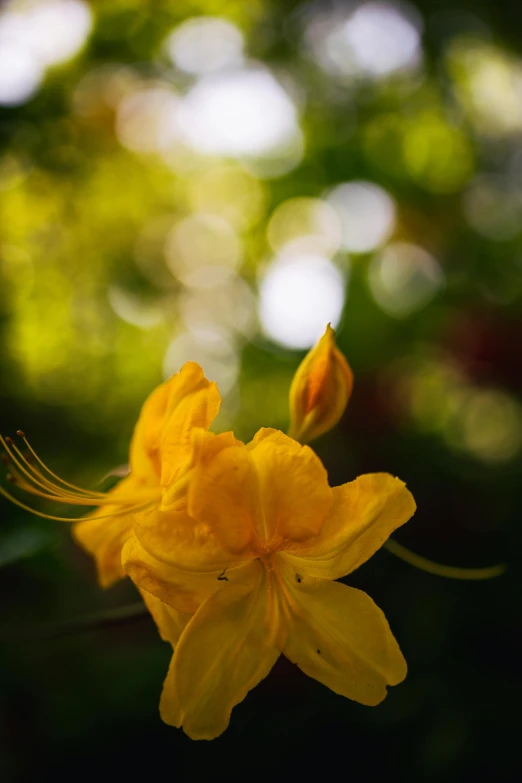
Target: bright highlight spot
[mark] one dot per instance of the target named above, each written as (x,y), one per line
(366,212)
(20,74)
(205,44)
(376,40)
(35,36)
(203,251)
(241,113)
(57,29)
(298,297)
(382,39)
(403,278)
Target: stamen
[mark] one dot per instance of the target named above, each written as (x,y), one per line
(123,512)
(27,477)
(450,572)
(50,472)
(28,471)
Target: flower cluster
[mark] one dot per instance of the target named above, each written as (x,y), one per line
(236,548)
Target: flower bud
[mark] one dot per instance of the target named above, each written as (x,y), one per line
(320,390)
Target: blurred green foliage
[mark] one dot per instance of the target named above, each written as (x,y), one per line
(132,241)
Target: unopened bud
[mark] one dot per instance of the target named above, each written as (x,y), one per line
(320,390)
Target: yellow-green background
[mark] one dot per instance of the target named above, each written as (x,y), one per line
(437,399)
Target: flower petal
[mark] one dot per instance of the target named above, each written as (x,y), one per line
(161,440)
(175,538)
(223,490)
(339,636)
(169,621)
(144,453)
(226,649)
(364,513)
(184,590)
(294,489)
(103,536)
(170,707)
(198,408)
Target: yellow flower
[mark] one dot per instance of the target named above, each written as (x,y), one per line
(320,390)
(250,547)
(159,448)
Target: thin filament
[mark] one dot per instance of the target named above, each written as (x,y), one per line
(57,478)
(23,471)
(124,511)
(31,480)
(31,473)
(450,572)
(42,481)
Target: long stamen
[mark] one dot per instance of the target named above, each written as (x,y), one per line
(450,572)
(42,481)
(24,471)
(126,510)
(50,472)
(31,480)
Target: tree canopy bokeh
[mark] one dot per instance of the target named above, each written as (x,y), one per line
(216,181)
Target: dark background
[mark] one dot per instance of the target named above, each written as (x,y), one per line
(89,307)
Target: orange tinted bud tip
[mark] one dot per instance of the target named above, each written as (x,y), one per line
(320,390)
(20,433)
(8,440)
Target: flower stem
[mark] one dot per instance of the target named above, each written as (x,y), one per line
(450,572)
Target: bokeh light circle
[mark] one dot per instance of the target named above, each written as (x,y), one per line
(205,44)
(240,113)
(403,278)
(298,296)
(367,214)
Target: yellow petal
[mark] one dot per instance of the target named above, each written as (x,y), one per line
(175,538)
(103,536)
(364,513)
(320,390)
(197,409)
(161,440)
(293,483)
(170,708)
(182,589)
(338,635)
(225,651)
(144,448)
(263,434)
(169,621)
(224,491)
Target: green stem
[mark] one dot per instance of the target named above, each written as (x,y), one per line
(450,572)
